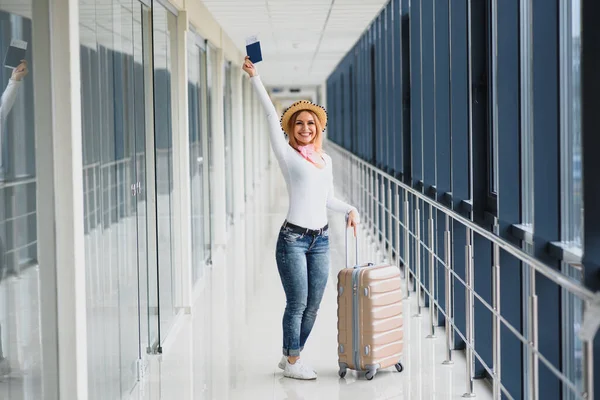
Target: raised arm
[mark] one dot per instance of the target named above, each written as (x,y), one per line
(278,141)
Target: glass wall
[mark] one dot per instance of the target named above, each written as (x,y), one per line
(21,371)
(165,117)
(116,97)
(198,139)
(511,63)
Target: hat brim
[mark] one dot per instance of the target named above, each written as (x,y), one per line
(303,105)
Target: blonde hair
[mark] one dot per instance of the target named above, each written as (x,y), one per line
(317,140)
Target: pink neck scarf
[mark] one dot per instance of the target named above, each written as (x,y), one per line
(308,151)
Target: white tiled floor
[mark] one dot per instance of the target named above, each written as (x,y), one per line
(229,347)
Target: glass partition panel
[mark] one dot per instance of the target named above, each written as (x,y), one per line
(114,56)
(165,118)
(198,127)
(21,373)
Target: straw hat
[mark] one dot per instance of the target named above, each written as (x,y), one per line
(303,105)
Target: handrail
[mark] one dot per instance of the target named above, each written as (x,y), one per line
(549,272)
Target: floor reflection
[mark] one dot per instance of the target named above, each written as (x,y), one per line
(21,376)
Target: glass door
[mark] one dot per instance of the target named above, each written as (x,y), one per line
(198,139)
(118,178)
(145,190)
(116,77)
(127,70)
(164,35)
(205,149)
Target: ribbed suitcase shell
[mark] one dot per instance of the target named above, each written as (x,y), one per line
(376,321)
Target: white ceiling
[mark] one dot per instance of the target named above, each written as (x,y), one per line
(301,40)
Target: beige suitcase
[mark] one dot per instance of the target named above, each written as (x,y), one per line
(370,327)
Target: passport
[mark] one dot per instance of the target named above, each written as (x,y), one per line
(253,49)
(15,53)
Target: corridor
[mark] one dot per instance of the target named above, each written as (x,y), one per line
(141,197)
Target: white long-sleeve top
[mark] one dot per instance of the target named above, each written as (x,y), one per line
(310,188)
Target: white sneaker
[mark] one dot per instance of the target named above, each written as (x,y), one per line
(282,362)
(298,371)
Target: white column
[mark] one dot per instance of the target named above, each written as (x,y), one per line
(64,177)
(182,241)
(238,142)
(218,189)
(45,196)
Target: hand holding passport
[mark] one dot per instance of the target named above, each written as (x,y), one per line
(253,49)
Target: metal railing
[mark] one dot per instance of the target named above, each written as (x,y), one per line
(385,206)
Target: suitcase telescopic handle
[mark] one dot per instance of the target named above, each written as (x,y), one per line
(355,244)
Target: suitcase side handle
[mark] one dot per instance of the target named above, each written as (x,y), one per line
(355,245)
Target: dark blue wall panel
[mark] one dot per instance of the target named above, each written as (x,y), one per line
(428,94)
(415,91)
(390,88)
(509,188)
(406,95)
(397,92)
(546,181)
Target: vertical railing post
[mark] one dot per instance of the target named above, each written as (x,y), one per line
(345,175)
(390,229)
(430,244)
(397,242)
(363,196)
(363,208)
(381,227)
(371,213)
(588,368)
(496,351)
(533,340)
(448,293)
(355,169)
(407,243)
(377,191)
(469,313)
(418,254)
(353,182)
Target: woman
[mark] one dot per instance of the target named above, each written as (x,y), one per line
(303,245)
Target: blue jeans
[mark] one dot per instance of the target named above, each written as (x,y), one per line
(303,264)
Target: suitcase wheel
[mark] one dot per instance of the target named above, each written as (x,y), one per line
(399,367)
(342,372)
(369,375)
